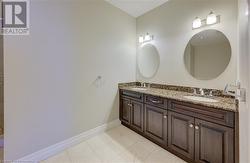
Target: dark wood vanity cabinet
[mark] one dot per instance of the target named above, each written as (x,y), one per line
(181,134)
(125,110)
(213,143)
(156,120)
(131,110)
(201,134)
(196,133)
(200,140)
(131,113)
(136,113)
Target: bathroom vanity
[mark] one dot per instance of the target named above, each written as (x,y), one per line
(196,131)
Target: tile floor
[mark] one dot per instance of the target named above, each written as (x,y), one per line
(118,145)
(1,154)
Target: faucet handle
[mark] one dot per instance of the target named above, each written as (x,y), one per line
(194,91)
(143,84)
(211,93)
(202,92)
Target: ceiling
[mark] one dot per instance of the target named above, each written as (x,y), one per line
(136,8)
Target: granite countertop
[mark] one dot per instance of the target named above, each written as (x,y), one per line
(223,103)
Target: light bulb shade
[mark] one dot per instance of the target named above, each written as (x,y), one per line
(211,19)
(197,23)
(141,39)
(147,37)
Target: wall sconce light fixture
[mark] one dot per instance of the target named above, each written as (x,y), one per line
(197,23)
(210,20)
(146,38)
(141,39)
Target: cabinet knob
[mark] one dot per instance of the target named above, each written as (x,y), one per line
(197,127)
(130,105)
(164,116)
(191,125)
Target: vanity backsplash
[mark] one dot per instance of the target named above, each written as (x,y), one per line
(216,92)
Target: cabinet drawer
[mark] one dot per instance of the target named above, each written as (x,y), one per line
(210,114)
(133,95)
(156,101)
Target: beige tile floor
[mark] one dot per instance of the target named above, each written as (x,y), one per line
(118,145)
(1,154)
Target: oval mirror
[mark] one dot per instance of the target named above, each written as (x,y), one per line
(207,54)
(148,60)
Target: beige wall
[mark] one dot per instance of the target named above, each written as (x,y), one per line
(244,77)
(1,81)
(50,90)
(171,25)
(248,52)
(1,87)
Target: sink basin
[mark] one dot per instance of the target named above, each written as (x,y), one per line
(139,89)
(201,99)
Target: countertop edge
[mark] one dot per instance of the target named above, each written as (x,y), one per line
(127,88)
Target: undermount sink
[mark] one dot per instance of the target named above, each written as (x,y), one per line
(139,89)
(201,99)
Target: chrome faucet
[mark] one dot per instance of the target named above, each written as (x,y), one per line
(194,91)
(202,92)
(143,84)
(211,93)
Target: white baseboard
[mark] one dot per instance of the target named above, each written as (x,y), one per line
(59,147)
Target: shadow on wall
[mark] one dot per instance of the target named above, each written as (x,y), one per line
(114,113)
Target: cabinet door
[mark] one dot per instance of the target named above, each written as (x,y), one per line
(156,124)
(181,134)
(125,110)
(137,115)
(213,143)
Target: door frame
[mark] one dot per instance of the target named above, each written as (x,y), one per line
(244,78)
